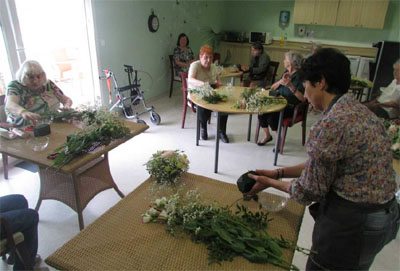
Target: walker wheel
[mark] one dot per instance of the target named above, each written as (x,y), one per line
(155,118)
(141,121)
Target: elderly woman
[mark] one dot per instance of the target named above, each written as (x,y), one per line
(183,54)
(290,87)
(204,72)
(348,176)
(32,94)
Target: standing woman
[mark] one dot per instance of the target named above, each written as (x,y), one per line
(32,94)
(348,177)
(183,55)
(291,88)
(203,72)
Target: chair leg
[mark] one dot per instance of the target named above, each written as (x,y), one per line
(283,138)
(303,133)
(257,134)
(5,165)
(184,109)
(171,87)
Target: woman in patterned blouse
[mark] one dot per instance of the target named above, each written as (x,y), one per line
(348,174)
(183,55)
(32,94)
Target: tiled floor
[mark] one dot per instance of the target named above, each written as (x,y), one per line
(58,223)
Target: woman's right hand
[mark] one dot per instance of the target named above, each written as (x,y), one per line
(27,115)
(271,173)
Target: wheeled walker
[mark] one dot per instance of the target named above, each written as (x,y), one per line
(130,96)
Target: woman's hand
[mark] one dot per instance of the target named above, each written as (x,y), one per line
(27,115)
(262,182)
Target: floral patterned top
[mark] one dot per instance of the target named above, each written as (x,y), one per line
(184,56)
(48,99)
(348,153)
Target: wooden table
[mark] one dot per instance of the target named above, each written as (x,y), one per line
(119,240)
(76,183)
(227,107)
(232,73)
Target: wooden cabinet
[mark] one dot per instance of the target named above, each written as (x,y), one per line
(319,12)
(362,13)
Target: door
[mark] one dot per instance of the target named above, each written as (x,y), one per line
(58,35)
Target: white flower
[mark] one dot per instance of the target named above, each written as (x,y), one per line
(146,218)
(167,154)
(395,146)
(160,203)
(153,212)
(163,215)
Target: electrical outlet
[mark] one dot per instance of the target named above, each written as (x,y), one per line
(301,30)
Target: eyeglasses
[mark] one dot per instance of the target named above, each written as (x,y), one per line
(34,76)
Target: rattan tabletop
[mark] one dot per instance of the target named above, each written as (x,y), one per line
(118,240)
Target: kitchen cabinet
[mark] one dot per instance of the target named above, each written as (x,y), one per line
(317,12)
(362,13)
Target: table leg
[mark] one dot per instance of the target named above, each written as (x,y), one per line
(249,128)
(197,126)
(217,144)
(278,140)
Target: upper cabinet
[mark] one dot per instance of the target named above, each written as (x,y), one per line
(353,13)
(319,12)
(362,13)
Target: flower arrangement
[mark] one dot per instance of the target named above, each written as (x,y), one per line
(255,100)
(208,94)
(393,130)
(167,166)
(226,233)
(360,82)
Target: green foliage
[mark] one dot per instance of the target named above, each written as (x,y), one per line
(359,82)
(209,95)
(226,234)
(101,128)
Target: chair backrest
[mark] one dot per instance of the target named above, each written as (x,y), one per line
(3,116)
(172,67)
(217,57)
(271,73)
(299,114)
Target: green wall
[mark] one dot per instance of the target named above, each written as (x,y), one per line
(122,36)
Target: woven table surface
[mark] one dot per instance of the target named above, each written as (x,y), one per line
(119,240)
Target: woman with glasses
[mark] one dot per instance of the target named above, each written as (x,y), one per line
(32,94)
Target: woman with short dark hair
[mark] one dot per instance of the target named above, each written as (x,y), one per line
(183,54)
(348,177)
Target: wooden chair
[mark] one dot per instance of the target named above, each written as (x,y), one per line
(174,78)
(271,74)
(13,244)
(4,124)
(217,57)
(299,115)
(186,103)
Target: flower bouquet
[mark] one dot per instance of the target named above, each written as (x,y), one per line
(254,100)
(393,130)
(208,94)
(167,166)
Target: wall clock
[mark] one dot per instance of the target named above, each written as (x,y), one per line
(153,22)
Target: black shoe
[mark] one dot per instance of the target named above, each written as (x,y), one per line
(203,134)
(224,138)
(265,141)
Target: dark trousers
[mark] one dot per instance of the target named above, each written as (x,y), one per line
(204,116)
(347,235)
(14,208)
(272,119)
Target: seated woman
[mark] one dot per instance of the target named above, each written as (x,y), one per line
(258,67)
(183,55)
(32,94)
(387,104)
(290,87)
(348,178)
(203,72)
(14,209)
